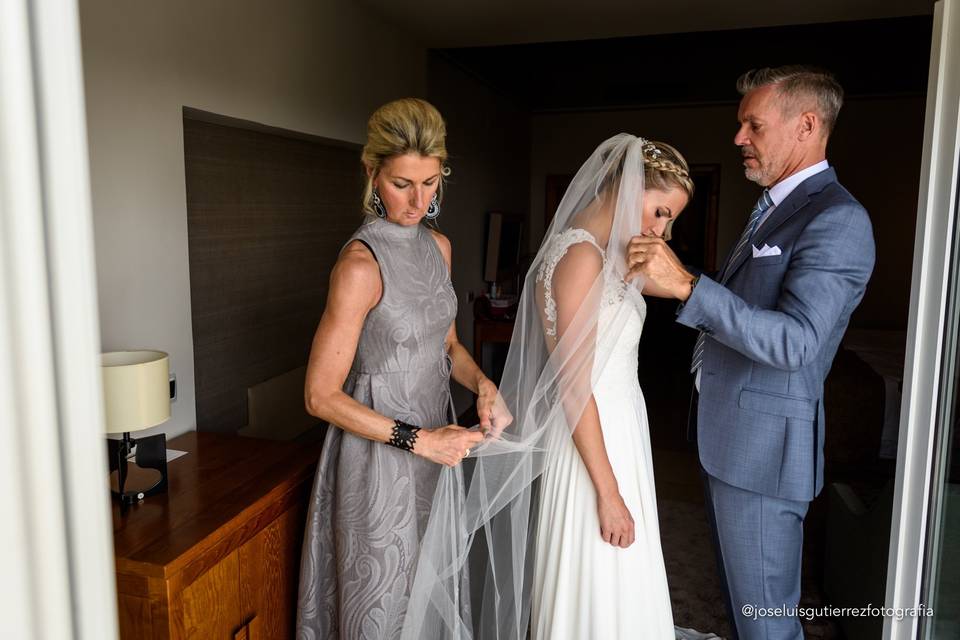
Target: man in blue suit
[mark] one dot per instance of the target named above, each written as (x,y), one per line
(770,324)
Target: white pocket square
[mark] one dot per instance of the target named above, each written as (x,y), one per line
(766,251)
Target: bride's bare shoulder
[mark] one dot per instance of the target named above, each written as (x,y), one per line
(581,255)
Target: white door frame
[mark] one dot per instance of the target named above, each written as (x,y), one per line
(932,249)
(56,555)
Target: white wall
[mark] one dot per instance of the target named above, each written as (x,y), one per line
(875,150)
(315,66)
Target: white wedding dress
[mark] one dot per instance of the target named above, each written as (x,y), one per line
(585,588)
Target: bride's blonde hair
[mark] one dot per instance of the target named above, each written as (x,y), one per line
(664,168)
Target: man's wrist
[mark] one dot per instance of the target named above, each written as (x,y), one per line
(685,290)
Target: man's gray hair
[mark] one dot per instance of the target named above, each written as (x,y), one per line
(800,88)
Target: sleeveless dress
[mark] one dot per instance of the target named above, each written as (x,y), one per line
(371,501)
(585,588)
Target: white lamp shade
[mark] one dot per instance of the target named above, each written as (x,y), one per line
(136,389)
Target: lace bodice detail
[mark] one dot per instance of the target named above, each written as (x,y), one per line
(614,288)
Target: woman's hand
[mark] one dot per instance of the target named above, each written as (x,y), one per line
(447,445)
(616,523)
(493,412)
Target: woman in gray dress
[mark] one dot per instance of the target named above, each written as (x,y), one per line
(379,372)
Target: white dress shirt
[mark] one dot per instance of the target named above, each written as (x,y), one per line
(780,191)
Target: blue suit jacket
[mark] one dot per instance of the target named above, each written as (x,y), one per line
(773,325)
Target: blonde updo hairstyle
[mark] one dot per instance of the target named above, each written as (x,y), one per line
(408,125)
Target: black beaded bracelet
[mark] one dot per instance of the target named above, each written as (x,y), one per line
(404,435)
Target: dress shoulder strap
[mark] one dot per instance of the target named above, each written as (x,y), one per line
(558,247)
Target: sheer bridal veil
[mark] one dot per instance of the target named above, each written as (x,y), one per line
(484,510)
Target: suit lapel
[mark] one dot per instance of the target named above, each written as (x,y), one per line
(794,202)
(797,199)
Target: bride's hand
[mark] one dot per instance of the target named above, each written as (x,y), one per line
(493,412)
(616,523)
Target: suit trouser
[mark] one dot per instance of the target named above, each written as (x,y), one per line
(759,541)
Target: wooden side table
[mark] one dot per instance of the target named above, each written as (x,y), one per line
(488,328)
(218,555)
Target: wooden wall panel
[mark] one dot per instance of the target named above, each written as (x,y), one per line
(267,215)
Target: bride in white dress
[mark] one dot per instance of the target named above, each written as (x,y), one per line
(598,569)
(563,496)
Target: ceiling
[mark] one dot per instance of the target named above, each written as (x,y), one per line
(471,23)
(869,57)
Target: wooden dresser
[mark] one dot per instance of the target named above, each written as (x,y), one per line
(218,555)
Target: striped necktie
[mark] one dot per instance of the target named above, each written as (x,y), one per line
(762,206)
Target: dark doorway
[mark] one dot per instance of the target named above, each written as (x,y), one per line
(665,347)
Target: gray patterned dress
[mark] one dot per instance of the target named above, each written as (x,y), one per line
(371,501)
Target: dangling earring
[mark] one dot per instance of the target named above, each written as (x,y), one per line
(378,207)
(434,209)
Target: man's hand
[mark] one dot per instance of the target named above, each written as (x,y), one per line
(650,257)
